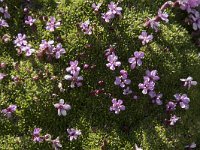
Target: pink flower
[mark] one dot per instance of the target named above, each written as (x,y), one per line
(8,111)
(136,60)
(96,7)
(113,61)
(86,28)
(62,107)
(30,21)
(73,134)
(52,24)
(145,38)
(73,69)
(113,9)
(117,106)
(2,75)
(56,143)
(173,120)
(36,135)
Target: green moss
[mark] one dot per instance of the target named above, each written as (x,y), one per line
(172,53)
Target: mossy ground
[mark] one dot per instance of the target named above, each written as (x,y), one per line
(172,53)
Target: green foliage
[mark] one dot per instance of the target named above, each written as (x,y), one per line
(172,53)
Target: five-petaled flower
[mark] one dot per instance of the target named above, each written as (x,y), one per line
(171,106)
(56,143)
(188,82)
(173,120)
(136,60)
(145,38)
(117,106)
(9,111)
(62,107)
(52,24)
(113,61)
(73,134)
(183,100)
(73,69)
(30,20)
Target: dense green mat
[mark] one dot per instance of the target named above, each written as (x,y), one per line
(172,53)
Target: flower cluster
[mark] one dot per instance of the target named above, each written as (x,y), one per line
(47,138)
(38,138)
(9,111)
(74,77)
(50,50)
(122,81)
(112,12)
(154,23)
(86,28)
(149,81)
(23,45)
(6,15)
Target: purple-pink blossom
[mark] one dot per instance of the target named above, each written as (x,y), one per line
(153,75)
(36,135)
(127,91)
(183,100)
(56,143)
(20,40)
(96,6)
(136,60)
(156,98)
(188,5)
(30,20)
(173,120)
(114,9)
(5,12)
(113,61)
(2,76)
(75,80)
(147,86)
(62,107)
(122,80)
(112,12)
(9,111)
(86,28)
(73,68)
(73,134)
(117,106)
(188,82)
(163,16)
(145,38)
(58,51)
(52,24)
(171,106)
